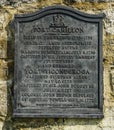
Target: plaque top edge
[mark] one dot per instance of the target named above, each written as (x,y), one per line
(62,9)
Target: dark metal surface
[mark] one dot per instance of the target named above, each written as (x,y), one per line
(58,64)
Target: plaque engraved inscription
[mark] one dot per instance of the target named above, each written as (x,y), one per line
(58,64)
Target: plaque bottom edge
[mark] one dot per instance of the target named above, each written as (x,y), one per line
(92,116)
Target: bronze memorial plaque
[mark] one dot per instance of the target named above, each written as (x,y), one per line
(58,64)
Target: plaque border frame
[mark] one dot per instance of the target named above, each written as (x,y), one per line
(83,112)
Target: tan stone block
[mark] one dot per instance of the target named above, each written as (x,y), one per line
(3,70)
(1,26)
(90,6)
(3,73)
(25,128)
(50,2)
(3,53)
(3,63)
(83,127)
(5,17)
(108,120)
(38,128)
(6,69)
(100,6)
(46,3)
(3,36)
(3,45)
(10,12)
(109,20)
(108,128)
(27,8)
(109,112)
(1,125)
(2,19)
(3,98)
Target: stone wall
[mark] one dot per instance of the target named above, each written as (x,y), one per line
(8,8)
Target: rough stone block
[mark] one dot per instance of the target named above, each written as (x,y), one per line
(1,125)
(108,128)
(109,20)
(3,99)
(3,70)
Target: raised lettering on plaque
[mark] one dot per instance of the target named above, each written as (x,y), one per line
(58,64)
